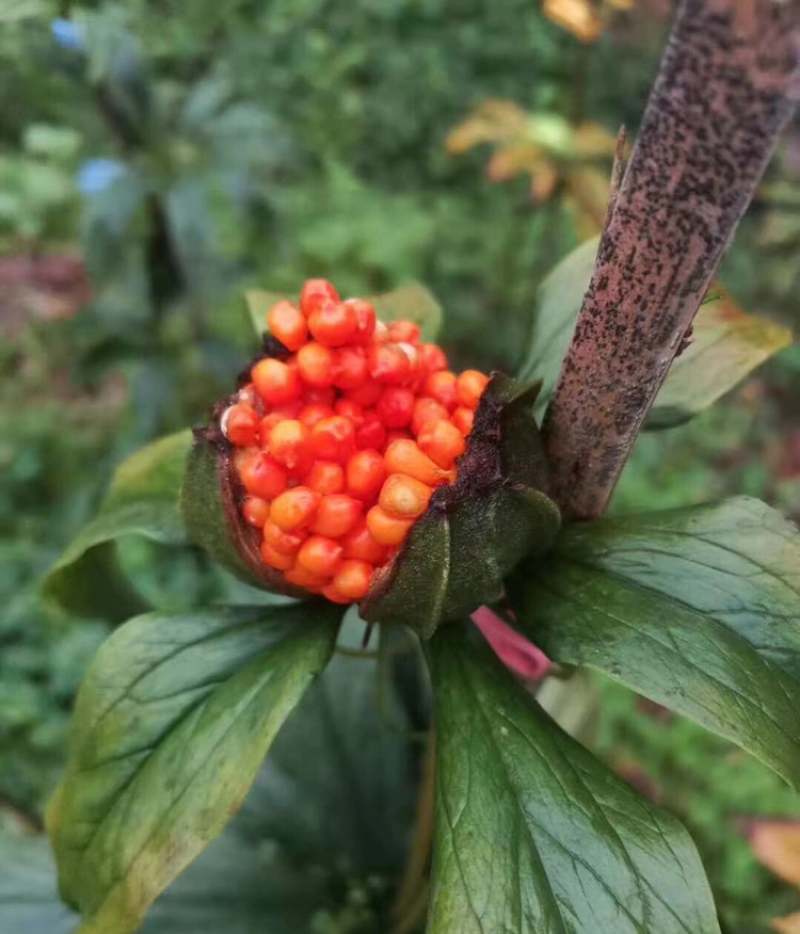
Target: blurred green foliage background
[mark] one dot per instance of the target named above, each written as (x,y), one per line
(156,158)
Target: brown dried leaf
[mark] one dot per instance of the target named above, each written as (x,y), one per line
(726,345)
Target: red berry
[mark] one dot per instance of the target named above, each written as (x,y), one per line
(333,438)
(371,433)
(333,323)
(300,577)
(332,593)
(289,443)
(275,382)
(366,472)
(463,419)
(315,365)
(367,394)
(359,543)
(294,508)
(320,555)
(325,477)
(315,293)
(431,359)
(276,559)
(353,579)
(404,497)
(285,542)
(255,511)
(239,424)
(310,414)
(350,368)
(442,442)
(405,331)
(288,325)
(395,407)
(316,396)
(470,385)
(389,364)
(262,475)
(365,320)
(387,529)
(336,515)
(349,409)
(441,386)
(405,457)
(426,410)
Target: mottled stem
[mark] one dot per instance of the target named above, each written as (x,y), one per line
(727,85)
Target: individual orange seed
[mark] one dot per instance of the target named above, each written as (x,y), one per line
(336,515)
(294,509)
(275,382)
(387,529)
(470,385)
(353,579)
(288,325)
(406,457)
(442,442)
(320,555)
(404,496)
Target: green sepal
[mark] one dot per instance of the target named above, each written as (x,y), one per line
(209,503)
(476,530)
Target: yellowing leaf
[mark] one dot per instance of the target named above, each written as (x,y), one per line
(726,345)
(577,16)
(593,140)
(512,160)
(493,121)
(589,190)
(543,181)
(776,843)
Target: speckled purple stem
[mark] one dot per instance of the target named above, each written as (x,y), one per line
(728,83)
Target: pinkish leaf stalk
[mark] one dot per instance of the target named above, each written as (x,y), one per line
(513,650)
(728,83)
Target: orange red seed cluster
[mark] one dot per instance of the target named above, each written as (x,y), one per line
(340,446)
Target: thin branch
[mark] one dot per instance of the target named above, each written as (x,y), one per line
(727,85)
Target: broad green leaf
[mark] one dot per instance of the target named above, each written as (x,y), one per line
(411,302)
(697,609)
(142,500)
(559,301)
(726,345)
(171,725)
(305,840)
(532,833)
